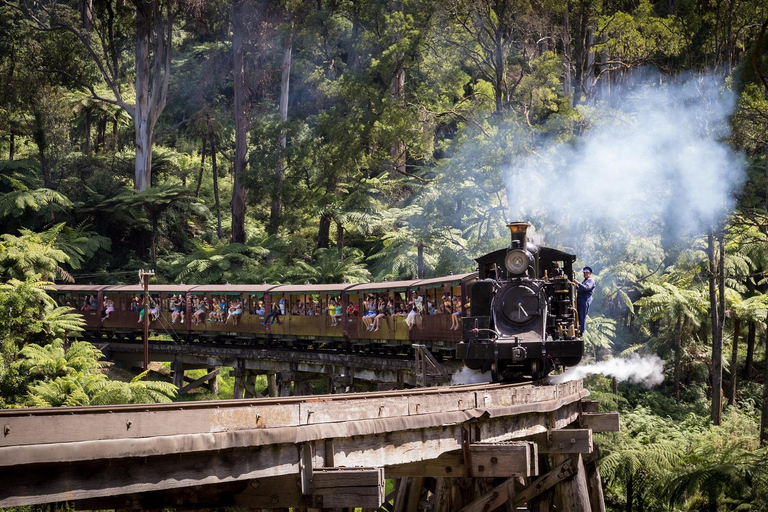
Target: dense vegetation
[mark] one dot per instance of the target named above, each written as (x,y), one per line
(330,141)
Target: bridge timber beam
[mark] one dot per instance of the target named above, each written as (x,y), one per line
(143,456)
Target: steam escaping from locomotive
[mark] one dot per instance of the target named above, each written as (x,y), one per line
(646,370)
(660,161)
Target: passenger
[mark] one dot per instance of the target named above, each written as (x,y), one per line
(235,312)
(109,307)
(584,298)
(455,322)
(270,319)
(332,311)
(135,303)
(447,305)
(281,303)
(177,308)
(381,312)
(198,312)
(311,306)
(222,310)
(155,311)
(86,306)
(93,302)
(142,312)
(352,310)
(261,309)
(370,313)
(410,319)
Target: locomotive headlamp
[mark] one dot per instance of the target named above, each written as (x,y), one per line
(517,261)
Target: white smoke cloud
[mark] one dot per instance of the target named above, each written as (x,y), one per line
(468,376)
(661,158)
(647,370)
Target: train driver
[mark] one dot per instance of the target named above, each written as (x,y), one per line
(584,298)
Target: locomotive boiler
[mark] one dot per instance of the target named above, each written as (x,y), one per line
(522,314)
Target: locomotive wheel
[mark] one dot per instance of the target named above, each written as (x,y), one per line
(536,368)
(495,376)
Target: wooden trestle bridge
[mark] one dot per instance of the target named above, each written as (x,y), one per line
(471,448)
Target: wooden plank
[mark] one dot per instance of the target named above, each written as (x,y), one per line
(348,487)
(197,383)
(305,468)
(78,481)
(327,411)
(441,402)
(590,406)
(600,421)
(568,441)
(502,460)
(448,464)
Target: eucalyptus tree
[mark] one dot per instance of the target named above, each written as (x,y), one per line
(151,24)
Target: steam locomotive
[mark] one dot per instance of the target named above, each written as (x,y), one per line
(522,316)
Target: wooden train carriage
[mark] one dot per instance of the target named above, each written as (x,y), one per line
(393,331)
(305,312)
(124,321)
(435,329)
(76,295)
(210,326)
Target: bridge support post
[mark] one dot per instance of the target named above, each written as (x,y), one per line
(178,373)
(272,385)
(213,384)
(572,494)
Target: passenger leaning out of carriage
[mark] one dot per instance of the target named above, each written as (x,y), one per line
(370,313)
(109,307)
(177,308)
(198,311)
(456,315)
(382,311)
(270,319)
(235,312)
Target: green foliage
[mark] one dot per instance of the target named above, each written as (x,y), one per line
(29,315)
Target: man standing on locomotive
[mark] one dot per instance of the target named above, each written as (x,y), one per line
(584,297)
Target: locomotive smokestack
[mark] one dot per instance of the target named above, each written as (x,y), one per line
(519,231)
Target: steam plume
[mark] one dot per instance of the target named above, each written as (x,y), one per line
(647,370)
(660,158)
(468,376)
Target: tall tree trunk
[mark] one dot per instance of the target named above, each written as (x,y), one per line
(566,51)
(88,147)
(153,50)
(630,492)
(340,238)
(215,172)
(86,17)
(678,353)
(276,212)
(734,361)
(717,340)
(12,146)
(420,261)
(764,412)
(397,93)
(241,123)
(202,165)
(324,231)
(751,335)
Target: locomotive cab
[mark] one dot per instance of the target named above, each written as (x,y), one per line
(523,317)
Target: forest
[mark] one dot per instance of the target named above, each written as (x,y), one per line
(250,141)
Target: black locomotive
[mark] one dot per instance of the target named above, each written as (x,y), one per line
(522,317)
